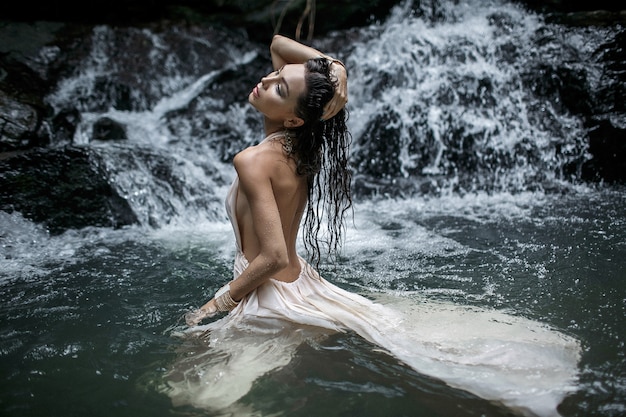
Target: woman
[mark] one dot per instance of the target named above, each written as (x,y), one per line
(303,106)
(276,300)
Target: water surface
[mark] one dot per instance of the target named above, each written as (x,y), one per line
(87,316)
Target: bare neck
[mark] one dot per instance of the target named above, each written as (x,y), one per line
(273,126)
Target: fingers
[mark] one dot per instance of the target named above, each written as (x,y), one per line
(193,318)
(334,106)
(340,98)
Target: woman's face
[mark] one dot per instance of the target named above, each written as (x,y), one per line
(277,94)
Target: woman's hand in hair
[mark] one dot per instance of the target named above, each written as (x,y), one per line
(340,98)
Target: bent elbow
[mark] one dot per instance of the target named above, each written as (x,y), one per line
(276,39)
(277,260)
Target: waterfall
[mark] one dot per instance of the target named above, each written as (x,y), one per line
(462,97)
(445,97)
(165,160)
(470,123)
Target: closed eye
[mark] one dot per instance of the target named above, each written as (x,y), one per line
(279,90)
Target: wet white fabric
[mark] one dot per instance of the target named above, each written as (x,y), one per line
(520,363)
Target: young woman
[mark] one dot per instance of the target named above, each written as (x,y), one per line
(302,102)
(276,301)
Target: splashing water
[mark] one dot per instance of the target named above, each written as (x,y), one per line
(443,98)
(450,91)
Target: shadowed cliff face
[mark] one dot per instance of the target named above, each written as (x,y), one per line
(445,97)
(261,18)
(126,9)
(258,18)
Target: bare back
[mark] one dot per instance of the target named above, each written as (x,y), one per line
(271,199)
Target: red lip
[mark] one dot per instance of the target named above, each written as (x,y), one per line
(255,91)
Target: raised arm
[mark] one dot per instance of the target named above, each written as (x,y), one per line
(288,51)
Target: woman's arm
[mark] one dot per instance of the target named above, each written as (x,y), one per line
(253,170)
(287,51)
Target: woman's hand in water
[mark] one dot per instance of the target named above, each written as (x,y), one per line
(193,318)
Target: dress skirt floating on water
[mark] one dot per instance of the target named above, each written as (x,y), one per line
(520,363)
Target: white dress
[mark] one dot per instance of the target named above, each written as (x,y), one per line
(520,363)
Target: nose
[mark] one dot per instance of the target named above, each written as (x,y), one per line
(268,80)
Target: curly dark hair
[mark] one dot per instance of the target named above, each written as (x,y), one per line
(321,150)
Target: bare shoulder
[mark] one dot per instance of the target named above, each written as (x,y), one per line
(263,161)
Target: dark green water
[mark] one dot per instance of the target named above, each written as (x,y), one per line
(86,316)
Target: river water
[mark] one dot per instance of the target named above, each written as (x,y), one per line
(87,316)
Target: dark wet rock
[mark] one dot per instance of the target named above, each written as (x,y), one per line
(18,123)
(63,188)
(68,187)
(378,156)
(259,18)
(108,129)
(607,144)
(580,13)
(62,126)
(22,108)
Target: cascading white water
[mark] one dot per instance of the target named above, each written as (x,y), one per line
(442,93)
(441,98)
(448,84)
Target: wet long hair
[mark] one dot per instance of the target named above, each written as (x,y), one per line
(321,150)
